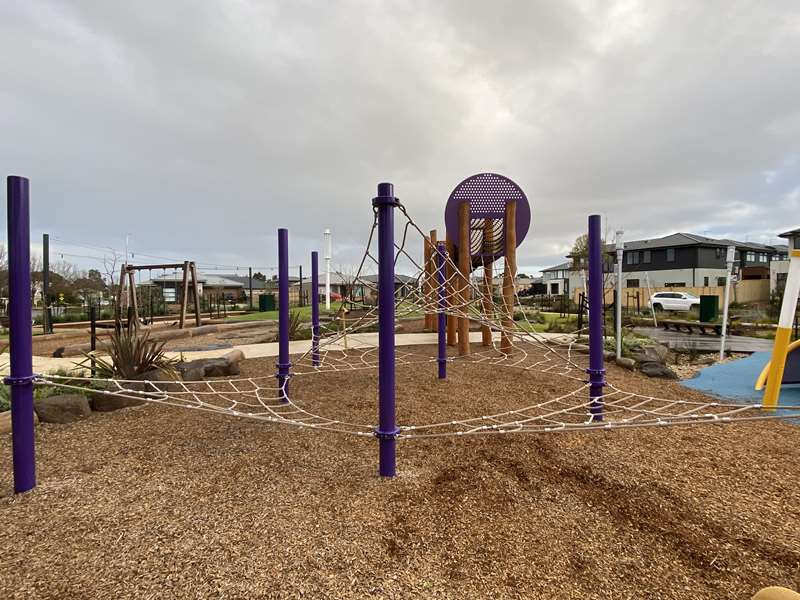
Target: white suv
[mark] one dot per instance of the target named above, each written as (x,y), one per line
(673,301)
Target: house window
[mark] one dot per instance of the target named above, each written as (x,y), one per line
(719,252)
(632,283)
(720,282)
(705,281)
(170,294)
(646,258)
(751,257)
(675,284)
(762,257)
(670,254)
(633,258)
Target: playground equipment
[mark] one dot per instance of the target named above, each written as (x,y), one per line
(127,289)
(584,405)
(782,367)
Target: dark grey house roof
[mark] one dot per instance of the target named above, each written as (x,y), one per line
(560,267)
(790,233)
(689,239)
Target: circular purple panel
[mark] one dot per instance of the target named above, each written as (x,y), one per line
(487,194)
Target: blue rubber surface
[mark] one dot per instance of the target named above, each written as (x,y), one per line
(735,381)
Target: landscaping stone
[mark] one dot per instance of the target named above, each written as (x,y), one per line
(5,421)
(66,408)
(582,348)
(626,363)
(651,353)
(225,366)
(653,368)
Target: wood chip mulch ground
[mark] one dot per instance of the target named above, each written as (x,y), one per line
(156,502)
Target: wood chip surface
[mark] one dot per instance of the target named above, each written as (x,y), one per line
(158,502)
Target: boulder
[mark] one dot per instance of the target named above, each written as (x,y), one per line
(653,368)
(225,366)
(5,421)
(106,402)
(626,363)
(651,353)
(581,348)
(66,408)
(153,382)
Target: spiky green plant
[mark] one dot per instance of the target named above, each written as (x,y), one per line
(130,355)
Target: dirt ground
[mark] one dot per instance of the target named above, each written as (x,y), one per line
(156,502)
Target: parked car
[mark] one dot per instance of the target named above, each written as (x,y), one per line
(682,301)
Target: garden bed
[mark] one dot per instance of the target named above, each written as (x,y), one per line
(167,502)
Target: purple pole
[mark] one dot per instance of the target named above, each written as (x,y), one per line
(315,309)
(387,427)
(20,334)
(596,368)
(441,317)
(283,363)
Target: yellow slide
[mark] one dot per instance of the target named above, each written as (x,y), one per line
(762,379)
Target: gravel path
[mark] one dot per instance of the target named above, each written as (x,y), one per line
(153,502)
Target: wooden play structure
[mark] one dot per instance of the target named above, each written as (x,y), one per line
(127,291)
(487,216)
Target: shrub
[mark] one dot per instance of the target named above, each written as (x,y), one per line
(131,355)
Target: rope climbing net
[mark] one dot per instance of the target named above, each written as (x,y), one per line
(349,343)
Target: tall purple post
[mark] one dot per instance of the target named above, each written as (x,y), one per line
(20,334)
(596,368)
(315,309)
(441,325)
(283,363)
(387,427)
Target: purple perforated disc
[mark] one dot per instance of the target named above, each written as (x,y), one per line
(487,194)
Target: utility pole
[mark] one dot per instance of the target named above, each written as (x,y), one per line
(729,260)
(618,301)
(300,294)
(47,325)
(250,281)
(327,237)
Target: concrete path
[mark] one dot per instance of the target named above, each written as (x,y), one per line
(44,364)
(710,343)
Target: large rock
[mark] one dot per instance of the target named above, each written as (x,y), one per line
(651,353)
(67,408)
(653,368)
(225,366)
(626,363)
(5,421)
(152,384)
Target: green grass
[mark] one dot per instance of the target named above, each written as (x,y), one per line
(272,315)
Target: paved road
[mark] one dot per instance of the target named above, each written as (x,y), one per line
(697,341)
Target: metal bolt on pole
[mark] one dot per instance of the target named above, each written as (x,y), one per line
(283,363)
(387,429)
(315,309)
(20,334)
(596,368)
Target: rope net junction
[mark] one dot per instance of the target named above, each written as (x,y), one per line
(350,344)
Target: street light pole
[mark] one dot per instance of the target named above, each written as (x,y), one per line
(729,260)
(618,304)
(327,236)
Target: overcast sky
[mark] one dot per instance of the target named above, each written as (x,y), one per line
(199,127)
